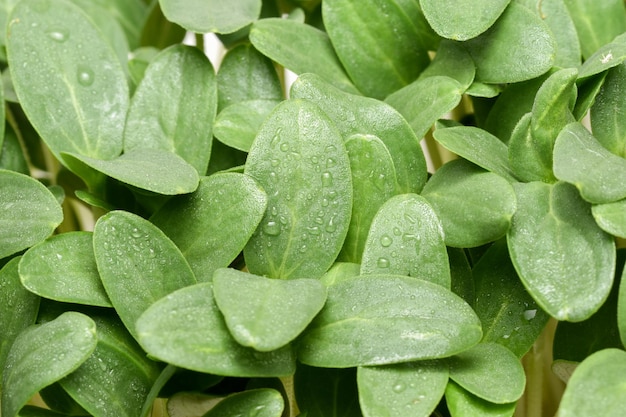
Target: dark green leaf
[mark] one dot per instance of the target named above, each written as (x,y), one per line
(157,31)
(186,329)
(563,258)
(131,15)
(384,319)
(454,61)
(261,402)
(201,16)
(608,56)
(464,404)
(608,123)
(527,163)
(11,153)
(326,392)
(406,238)
(29,212)
(238,124)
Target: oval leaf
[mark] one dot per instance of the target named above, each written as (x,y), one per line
(238,124)
(406,238)
(174,106)
(611,217)
(262,402)
(203,16)
(62,345)
(563,258)
(413,388)
(301,162)
(461,403)
(253,305)
(607,122)
(138,264)
(212,225)
(68,80)
(596,26)
(63,268)
(385,319)
(187,329)
(29,212)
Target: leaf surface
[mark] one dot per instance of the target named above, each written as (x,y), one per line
(263,402)
(201,16)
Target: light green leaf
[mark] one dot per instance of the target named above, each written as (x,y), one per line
(596,26)
(508,314)
(138,264)
(611,217)
(138,61)
(373,183)
(217,16)
(212,225)
(323,392)
(63,268)
(597,386)
(340,271)
(186,329)
(581,160)
(464,20)
(406,238)
(264,313)
(454,61)
(246,74)
(426,100)
(18,308)
(518,47)
(115,380)
(463,404)
(366,116)
(564,259)
(262,402)
(588,90)
(238,124)
(301,162)
(413,388)
(606,57)
(154,170)
(477,146)
(474,206)
(489,371)
(174,107)
(525,158)
(621,309)
(60,346)
(300,48)
(386,319)
(608,123)
(68,80)
(29,212)
(364,33)
(131,14)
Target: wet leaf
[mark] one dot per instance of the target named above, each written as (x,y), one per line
(263,402)
(607,122)
(461,403)
(238,124)
(454,61)
(611,217)
(201,16)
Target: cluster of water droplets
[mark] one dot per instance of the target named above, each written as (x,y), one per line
(386,240)
(85,75)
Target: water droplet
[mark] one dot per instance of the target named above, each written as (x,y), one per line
(271,228)
(331,149)
(330,162)
(275,162)
(327,179)
(386,241)
(331,226)
(135,233)
(383,263)
(303,248)
(85,76)
(314,230)
(284,147)
(399,387)
(58,34)
(325,202)
(530,314)
(273,176)
(396,231)
(151,253)
(59,256)
(274,211)
(314,159)
(379,182)
(319,220)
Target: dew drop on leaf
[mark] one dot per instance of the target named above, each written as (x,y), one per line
(271,228)
(58,34)
(399,387)
(383,263)
(386,241)
(331,226)
(327,179)
(530,314)
(85,76)
(284,147)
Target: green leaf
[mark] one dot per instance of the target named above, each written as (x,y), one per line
(186,329)
(621,309)
(508,314)
(264,313)
(201,16)
(607,122)
(597,386)
(212,225)
(596,26)
(462,281)
(63,268)
(238,124)
(563,258)
(406,238)
(373,183)
(464,404)
(138,61)
(11,154)
(611,217)
(364,33)
(366,116)
(464,20)
(157,31)
(475,207)
(130,14)
(477,146)
(489,371)
(525,158)
(60,346)
(18,308)
(454,61)
(300,48)
(385,319)
(518,47)
(245,74)
(32,411)
(29,212)
(116,378)
(413,388)
(340,271)
(263,402)
(174,106)
(606,57)
(588,90)
(138,264)
(581,160)
(300,160)
(154,170)
(68,80)
(426,100)
(324,392)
